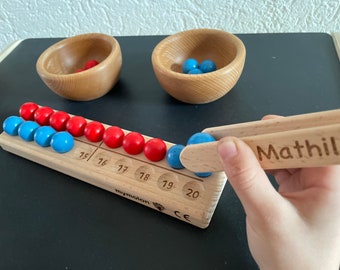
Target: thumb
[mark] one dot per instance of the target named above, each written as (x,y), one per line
(247,178)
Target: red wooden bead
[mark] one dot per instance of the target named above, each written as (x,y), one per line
(133,143)
(113,137)
(42,115)
(76,125)
(58,120)
(94,131)
(91,64)
(155,149)
(27,110)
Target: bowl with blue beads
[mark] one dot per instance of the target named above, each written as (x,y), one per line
(200,65)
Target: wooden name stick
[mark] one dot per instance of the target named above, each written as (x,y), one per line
(306,140)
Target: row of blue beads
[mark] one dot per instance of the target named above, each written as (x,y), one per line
(44,136)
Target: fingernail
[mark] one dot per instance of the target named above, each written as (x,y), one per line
(227,149)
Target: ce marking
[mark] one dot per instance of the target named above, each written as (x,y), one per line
(181,216)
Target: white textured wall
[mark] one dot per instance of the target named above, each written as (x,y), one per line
(21,19)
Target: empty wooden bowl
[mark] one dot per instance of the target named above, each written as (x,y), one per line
(225,49)
(58,64)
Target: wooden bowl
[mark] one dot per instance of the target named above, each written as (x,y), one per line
(225,49)
(57,66)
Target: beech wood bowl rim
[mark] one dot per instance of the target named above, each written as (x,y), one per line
(41,62)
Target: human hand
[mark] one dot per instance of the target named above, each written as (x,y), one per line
(294,227)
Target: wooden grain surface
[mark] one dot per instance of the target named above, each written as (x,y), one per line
(306,140)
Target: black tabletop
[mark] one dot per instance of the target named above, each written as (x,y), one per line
(52,221)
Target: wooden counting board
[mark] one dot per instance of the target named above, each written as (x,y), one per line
(178,193)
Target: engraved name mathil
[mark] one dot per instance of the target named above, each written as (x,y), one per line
(300,149)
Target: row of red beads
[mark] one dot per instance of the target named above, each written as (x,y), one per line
(133,142)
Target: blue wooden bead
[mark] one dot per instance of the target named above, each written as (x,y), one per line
(197,138)
(11,125)
(43,135)
(200,137)
(195,71)
(172,156)
(207,66)
(203,174)
(62,142)
(27,129)
(189,64)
